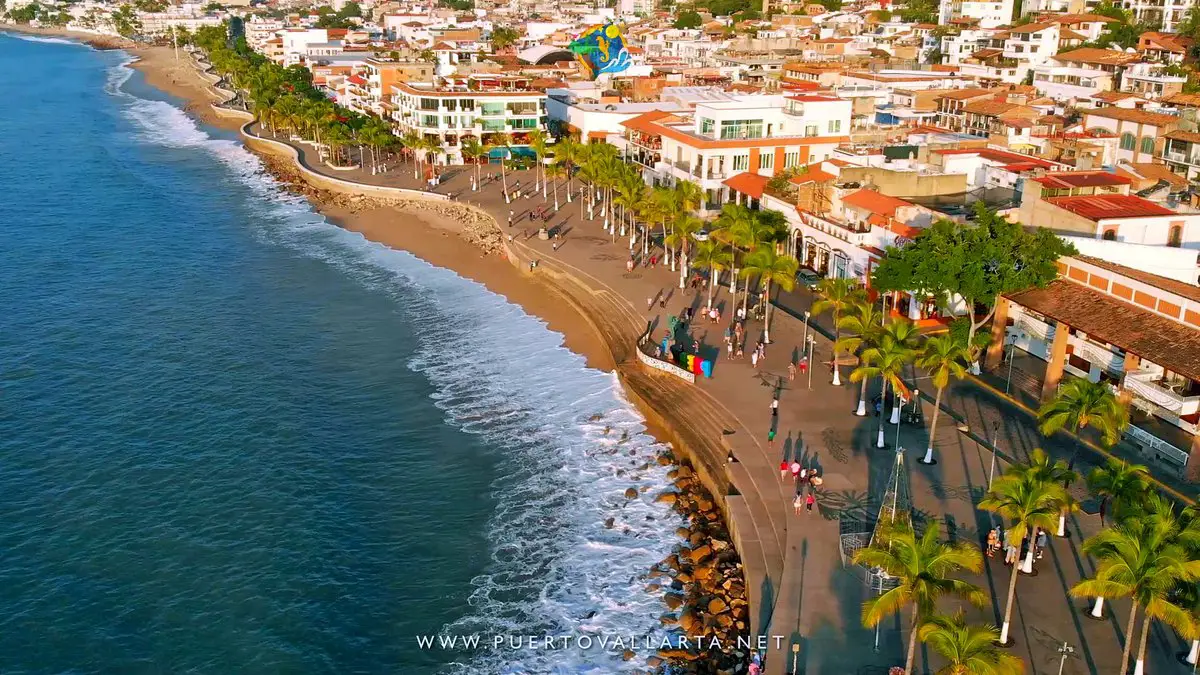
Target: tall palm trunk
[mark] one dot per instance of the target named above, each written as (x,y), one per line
(683,266)
(767,313)
(912,640)
(1128,636)
(1008,607)
(1139,666)
(937,410)
(712,283)
(879,442)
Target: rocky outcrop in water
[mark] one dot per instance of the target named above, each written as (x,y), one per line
(707,590)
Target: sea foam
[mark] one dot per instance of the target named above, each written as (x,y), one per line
(573,444)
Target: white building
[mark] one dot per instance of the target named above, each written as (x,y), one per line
(988,14)
(479,106)
(1167,13)
(759,135)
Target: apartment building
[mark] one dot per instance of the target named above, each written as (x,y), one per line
(756,134)
(1165,13)
(1142,134)
(1150,80)
(369,90)
(481,106)
(984,14)
(1182,153)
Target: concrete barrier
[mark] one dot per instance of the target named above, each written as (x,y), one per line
(325,182)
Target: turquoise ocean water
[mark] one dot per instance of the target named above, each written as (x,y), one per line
(237,439)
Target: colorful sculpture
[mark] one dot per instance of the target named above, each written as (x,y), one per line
(600,50)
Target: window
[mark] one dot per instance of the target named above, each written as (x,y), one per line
(1127,141)
(812,130)
(1147,145)
(741,162)
(706,125)
(429,104)
(1110,235)
(835,126)
(791,159)
(766,160)
(1175,238)
(741,129)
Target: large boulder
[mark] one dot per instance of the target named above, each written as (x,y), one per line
(667,498)
(631,493)
(673,601)
(717,606)
(700,554)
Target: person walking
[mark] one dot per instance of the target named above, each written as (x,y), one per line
(796,469)
(754,359)
(1043,540)
(798,503)
(774,407)
(791,371)
(803,365)
(1011,551)
(771,439)
(993,542)
(784,469)
(809,501)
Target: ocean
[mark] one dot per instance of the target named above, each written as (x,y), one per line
(235,438)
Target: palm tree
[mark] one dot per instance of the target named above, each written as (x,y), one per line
(884,359)
(631,193)
(1144,558)
(411,141)
(1029,503)
(568,152)
(923,566)
(1041,467)
(713,256)
(683,233)
(538,144)
(473,150)
(504,143)
(970,648)
(864,324)
(942,356)
(1121,484)
(837,295)
(555,171)
(1081,403)
(771,268)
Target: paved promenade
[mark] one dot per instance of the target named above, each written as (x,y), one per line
(795,575)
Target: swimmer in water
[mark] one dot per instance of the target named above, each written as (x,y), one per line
(607,429)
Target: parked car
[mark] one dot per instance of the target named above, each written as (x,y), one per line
(807,278)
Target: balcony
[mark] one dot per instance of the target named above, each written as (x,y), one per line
(1146,384)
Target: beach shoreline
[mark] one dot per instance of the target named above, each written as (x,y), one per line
(440,233)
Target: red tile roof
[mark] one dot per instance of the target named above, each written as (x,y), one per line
(1097,207)
(750,184)
(870,200)
(1074,179)
(1013,160)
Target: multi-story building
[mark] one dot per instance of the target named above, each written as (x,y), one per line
(370,89)
(759,135)
(260,29)
(1182,153)
(481,106)
(1150,80)
(1142,134)
(160,24)
(1165,13)
(950,106)
(986,14)
(1030,46)
(1137,332)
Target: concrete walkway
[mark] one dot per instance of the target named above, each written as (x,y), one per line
(798,585)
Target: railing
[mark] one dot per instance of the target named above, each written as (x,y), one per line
(1035,328)
(1097,354)
(1151,442)
(1142,384)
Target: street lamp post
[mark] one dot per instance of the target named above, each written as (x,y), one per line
(810,360)
(995,440)
(806,315)
(1012,350)
(795,656)
(1066,650)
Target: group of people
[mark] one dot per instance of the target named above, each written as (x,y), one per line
(805,479)
(735,343)
(999,538)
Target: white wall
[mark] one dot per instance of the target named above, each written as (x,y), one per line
(1165,261)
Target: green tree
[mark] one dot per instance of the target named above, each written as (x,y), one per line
(1080,404)
(688,18)
(924,567)
(771,269)
(715,257)
(837,296)
(474,151)
(1029,503)
(1120,484)
(943,357)
(886,358)
(125,22)
(969,649)
(684,229)
(863,324)
(976,264)
(1145,559)
(504,36)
